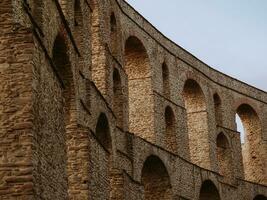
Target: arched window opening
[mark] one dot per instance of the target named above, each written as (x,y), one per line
(217,109)
(170,130)
(137,68)
(103,132)
(102,160)
(156,180)
(63,67)
(260,197)
(165,78)
(197,123)
(252,149)
(136,59)
(224,155)
(209,191)
(118,102)
(113,34)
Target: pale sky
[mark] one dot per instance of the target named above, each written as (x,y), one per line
(228,35)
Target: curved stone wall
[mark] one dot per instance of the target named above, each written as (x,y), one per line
(98,104)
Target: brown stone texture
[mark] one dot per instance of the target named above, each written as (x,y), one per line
(95,104)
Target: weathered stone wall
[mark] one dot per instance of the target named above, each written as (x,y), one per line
(97,104)
(16,100)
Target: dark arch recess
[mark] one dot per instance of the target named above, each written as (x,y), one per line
(209,191)
(103,132)
(170,130)
(156,180)
(252,149)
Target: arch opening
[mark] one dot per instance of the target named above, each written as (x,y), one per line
(156,180)
(118,101)
(252,148)
(102,160)
(63,67)
(165,80)
(170,130)
(224,155)
(67,107)
(217,108)
(137,68)
(209,191)
(197,123)
(103,132)
(136,59)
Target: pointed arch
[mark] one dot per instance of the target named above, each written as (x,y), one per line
(252,149)
(156,180)
(170,129)
(197,123)
(224,155)
(118,100)
(209,191)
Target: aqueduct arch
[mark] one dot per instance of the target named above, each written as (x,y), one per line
(224,155)
(170,130)
(102,132)
(138,70)
(54,145)
(252,149)
(209,191)
(197,123)
(156,180)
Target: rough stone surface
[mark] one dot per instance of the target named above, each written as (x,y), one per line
(95,103)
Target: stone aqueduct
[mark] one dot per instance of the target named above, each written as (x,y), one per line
(97,104)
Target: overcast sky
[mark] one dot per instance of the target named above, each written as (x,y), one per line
(228,35)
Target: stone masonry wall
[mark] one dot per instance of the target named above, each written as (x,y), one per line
(95,103)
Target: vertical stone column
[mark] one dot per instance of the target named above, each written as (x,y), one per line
(16,120)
